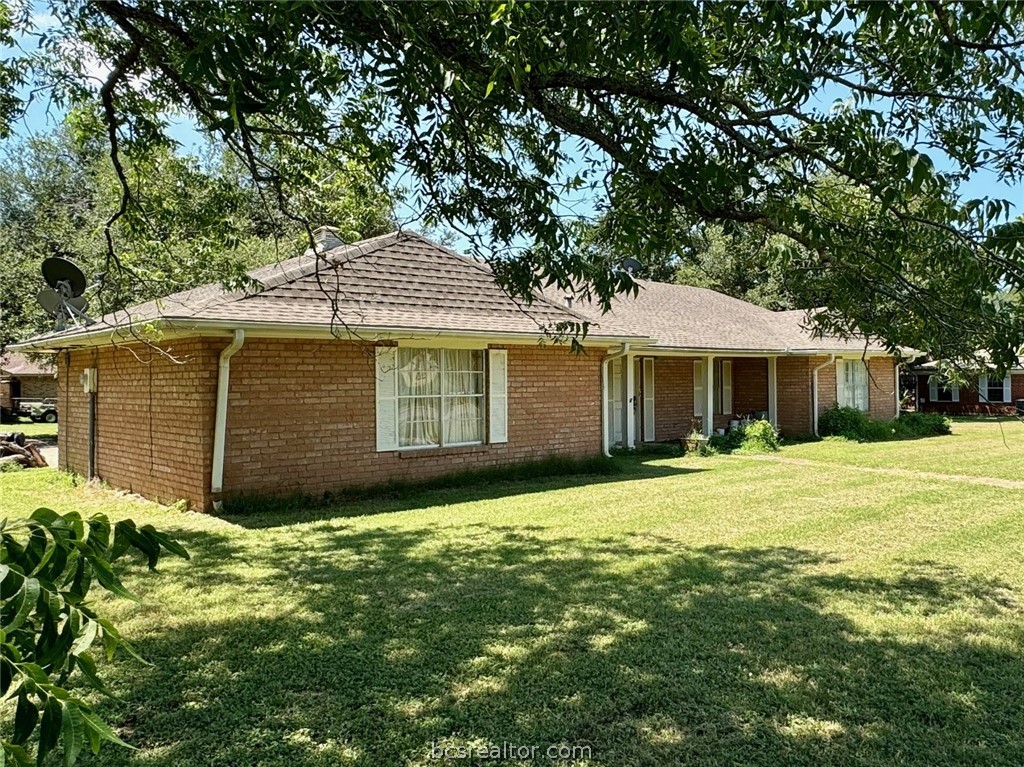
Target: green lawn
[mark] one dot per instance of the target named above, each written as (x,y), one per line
(979,447)
(47,431)
(722,611)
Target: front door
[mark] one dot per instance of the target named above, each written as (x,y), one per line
(643,402)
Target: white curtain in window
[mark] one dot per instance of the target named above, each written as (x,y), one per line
(463,396)
(854,389)
(419,397)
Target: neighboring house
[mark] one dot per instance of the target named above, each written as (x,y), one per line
(396,358)
(21,378)
(990,395)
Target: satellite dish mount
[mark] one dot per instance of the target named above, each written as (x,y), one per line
(63,299)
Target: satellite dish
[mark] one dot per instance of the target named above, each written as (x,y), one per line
(63,300)
(64,277)
(50,301)
(632,266)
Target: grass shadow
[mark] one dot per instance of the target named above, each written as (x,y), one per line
(641,650)
(290,510)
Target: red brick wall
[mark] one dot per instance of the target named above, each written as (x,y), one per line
(827,384)
(154,417)
(673,397)
(882,388)
(749,384)
(793,381)
(302,417)
(969,401)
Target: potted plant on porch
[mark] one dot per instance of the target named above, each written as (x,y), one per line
(694,441)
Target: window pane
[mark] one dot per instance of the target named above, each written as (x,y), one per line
(464,419)
(419,419)
(463,383)
(418,372)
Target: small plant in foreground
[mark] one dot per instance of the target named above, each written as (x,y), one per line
(49,562)
(754,437)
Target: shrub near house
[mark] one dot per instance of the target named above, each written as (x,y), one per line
(850,423)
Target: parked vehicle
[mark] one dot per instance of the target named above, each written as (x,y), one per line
(39,410)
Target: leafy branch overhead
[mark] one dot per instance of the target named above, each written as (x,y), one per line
(49,628)
(660,117)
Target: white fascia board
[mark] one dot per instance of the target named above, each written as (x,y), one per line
(171,329)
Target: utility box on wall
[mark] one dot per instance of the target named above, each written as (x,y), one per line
(89,380)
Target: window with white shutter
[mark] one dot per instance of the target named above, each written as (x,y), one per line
(993,390)
(940,392)
(648,386)
(725,388)
(431,397)
(699,400)
(615,401)
(387,400)
(497,369)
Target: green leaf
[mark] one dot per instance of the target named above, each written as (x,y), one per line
(85,637)
(25,716)
(49,728)
(17,753)
(102,730)
(72,732)
(26,601)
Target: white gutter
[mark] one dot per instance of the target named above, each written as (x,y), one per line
(220,422)
(184,327)
(814,389)
(605,425)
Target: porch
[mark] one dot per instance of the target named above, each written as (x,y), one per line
(663,397)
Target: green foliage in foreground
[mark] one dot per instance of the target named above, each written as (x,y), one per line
(684,611)
(850,423)
(49,562)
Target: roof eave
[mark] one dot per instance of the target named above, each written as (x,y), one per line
(180,327)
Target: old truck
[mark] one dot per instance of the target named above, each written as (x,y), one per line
(39,410)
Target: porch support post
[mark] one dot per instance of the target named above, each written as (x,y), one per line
(773,392)
(629,402)
(709,395)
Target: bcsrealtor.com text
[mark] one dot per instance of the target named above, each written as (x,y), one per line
(508,752)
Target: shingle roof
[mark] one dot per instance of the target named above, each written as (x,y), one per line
(19,365)
(397,281)
(685,317)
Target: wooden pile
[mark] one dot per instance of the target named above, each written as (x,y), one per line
(15,448)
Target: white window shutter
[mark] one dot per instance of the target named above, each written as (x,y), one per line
(956,393)
(615,401)
(982,389)
(387,398)
(648,399)
(497,369)
(933,389)
(841,383)
(699,400)
(1007,389)
(726,387)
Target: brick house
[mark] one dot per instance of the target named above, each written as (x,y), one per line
(990,395)
(22,378)
(395,358)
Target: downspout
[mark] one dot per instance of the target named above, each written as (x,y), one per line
(605,425)
(814,389)
(220,421)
